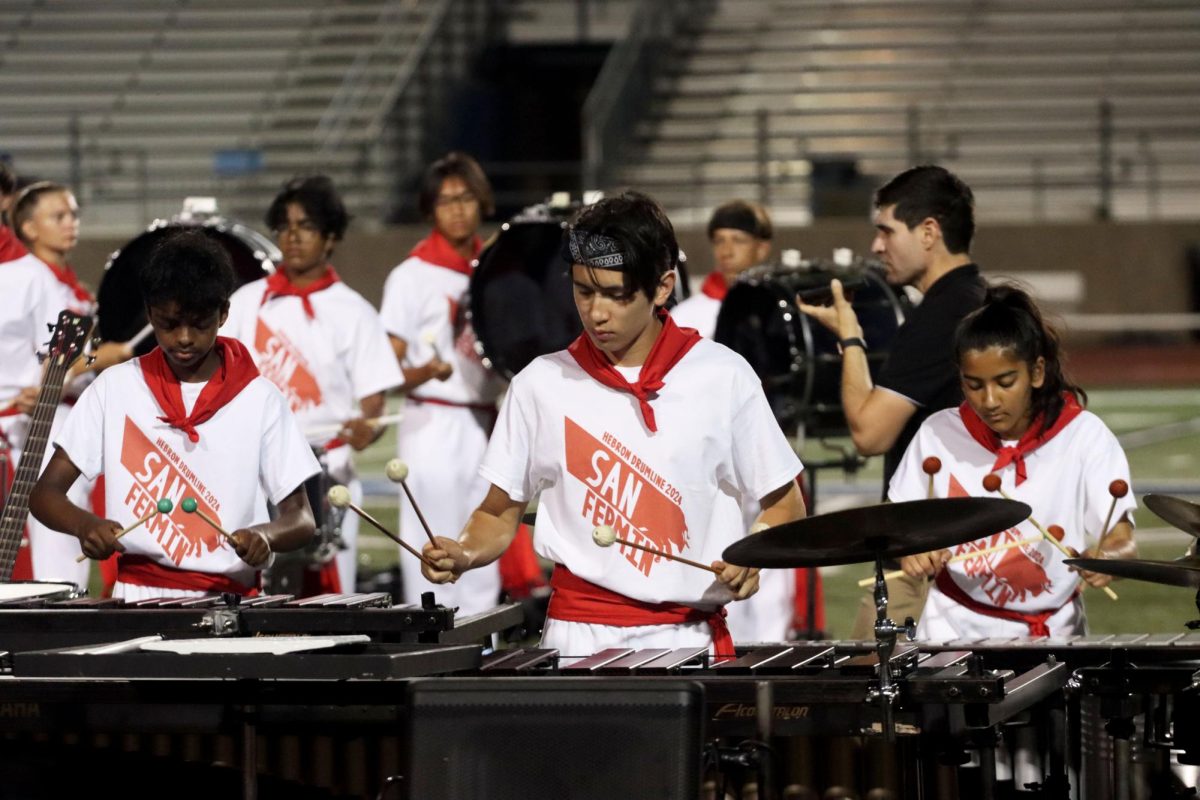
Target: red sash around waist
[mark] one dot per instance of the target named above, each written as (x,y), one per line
(143,571)
(1035,620)
(577,600)
(489,408)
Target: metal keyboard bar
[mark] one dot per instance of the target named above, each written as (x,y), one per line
(518,662)
(593,663)
(673,660)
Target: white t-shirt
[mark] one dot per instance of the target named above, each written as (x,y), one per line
(586,449)
(1067,485)
(422,301)
(249,452)
(324,365)
(700,312)
(30,299)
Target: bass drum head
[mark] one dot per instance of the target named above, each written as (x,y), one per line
(796,357)
(521,300)
(122,314)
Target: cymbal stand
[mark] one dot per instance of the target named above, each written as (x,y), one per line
(886,632)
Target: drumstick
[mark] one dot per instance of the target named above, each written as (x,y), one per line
(190,506)
(139,336)
(336,427)
(430,338)
(605,536)
(932,466)
(164,507)
(899,573)
(397,471)
(1117,489)
(991,482)
(339,497)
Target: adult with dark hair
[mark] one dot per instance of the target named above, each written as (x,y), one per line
(924,223)
(10,246)
(321,343)
(740,233)
(451,395)
(609,432)
(192,419)
(1024,422)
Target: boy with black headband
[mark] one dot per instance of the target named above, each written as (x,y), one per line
(192,420)
(740,234)
(610,432)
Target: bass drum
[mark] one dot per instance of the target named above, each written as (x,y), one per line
(521,304)
(122,313)
(795,356)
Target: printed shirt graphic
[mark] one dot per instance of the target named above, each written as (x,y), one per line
(625,492)
(323,365)
(282,363)
(585,451)
(1067,486)
(249,452)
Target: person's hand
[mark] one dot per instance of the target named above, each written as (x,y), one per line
(924,565)
(438,369)
(838,317)
(448,558)
(99,540)
(251,546)
(742,581)
(359,433)
(110,354)
(1097,580)
(26,399)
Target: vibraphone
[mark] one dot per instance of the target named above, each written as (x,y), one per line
(955,698)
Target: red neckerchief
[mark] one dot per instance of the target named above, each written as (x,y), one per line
(672,344)
(278,285)
(715,286)
(1034,438)
(66,276)
(10,246)
(436,249)
(577,600)
(235,372)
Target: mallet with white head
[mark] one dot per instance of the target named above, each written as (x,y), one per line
(605,536)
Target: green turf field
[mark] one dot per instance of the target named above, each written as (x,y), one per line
(1164,456)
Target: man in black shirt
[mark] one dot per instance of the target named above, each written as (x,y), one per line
(924,221)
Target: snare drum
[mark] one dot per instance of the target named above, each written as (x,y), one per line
(521,302)
(122,314)
(796,357)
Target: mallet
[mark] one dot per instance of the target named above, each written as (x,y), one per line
(1117,489)
(605,536)
(899,573)
(991,482)
(931,466)
(190,506)
(339,497)
(164,506)
(397,472)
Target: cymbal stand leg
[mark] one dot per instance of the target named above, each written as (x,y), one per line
(885,644)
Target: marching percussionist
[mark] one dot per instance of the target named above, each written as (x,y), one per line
(639,425)
(321,343)
(193,422)
(924,222)
(1023,432)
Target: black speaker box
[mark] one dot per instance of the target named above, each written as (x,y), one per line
(561,738)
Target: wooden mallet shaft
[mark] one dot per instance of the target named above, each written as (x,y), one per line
(216,526)
(397,472)
(379,527)
(611,538)
(899,573)
(992,484)
(1117,489)
(931,466)
(83,556)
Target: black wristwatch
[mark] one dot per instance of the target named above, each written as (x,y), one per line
(851,341)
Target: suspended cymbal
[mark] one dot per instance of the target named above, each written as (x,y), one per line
(1182,572)
(1179,513)
(889,530)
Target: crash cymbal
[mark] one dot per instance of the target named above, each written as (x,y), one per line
(889,530)
(1181,572)
(1179,513)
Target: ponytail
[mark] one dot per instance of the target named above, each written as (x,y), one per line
(1010,320)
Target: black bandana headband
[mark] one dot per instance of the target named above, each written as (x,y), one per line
(593,250)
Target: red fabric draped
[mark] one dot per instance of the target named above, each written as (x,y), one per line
(1033,438)
(714,286)
(672,344)
(278,285)
(436,249)
(234,374)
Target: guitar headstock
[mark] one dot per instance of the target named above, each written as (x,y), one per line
(68,337)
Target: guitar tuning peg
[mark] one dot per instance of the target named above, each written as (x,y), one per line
(50,327)
(41,357)
(91,360)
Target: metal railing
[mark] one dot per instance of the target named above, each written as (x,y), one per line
(625,85)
